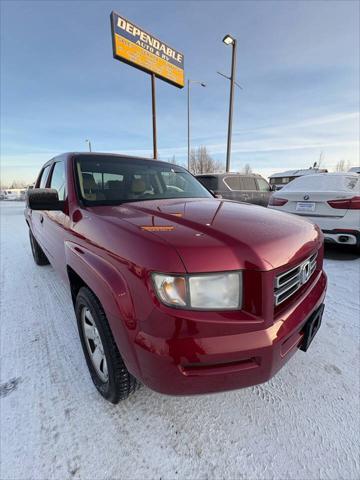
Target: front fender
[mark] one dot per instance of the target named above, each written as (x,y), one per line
(111,288)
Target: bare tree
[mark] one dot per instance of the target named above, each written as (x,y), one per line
(320,162)
(175,161)
(342,166)
(202,162)
(18,184)
(247,169)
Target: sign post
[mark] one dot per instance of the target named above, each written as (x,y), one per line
(153,101)
(132,45)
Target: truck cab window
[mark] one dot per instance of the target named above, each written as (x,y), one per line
(44,177)
(58,180)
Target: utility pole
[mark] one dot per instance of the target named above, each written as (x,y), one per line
(229,40)
(188,115)
(153,101)
(89,143)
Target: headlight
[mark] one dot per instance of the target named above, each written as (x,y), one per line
(216,291)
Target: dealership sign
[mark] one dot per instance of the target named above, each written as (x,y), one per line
(132,45)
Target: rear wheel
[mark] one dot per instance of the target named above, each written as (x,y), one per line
(38,254)
(107,368)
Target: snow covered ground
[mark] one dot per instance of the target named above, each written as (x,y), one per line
(301,425)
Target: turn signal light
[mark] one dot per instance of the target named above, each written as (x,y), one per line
(346,203)
(277,202)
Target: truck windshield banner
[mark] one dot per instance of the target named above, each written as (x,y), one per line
(134,46)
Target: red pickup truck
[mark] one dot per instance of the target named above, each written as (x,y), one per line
(172,287)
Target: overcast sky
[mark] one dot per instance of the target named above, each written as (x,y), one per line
(298,63)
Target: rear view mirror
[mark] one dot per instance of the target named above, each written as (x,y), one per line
(44,199)
(272,188)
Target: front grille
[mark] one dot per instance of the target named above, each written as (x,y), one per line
(287,283)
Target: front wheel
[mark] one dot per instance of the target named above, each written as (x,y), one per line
(38,254)
(107,368)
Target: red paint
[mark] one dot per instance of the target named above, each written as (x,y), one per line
(182,351)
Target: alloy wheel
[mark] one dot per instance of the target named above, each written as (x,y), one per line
(94,344)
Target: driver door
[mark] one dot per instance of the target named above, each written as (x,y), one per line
(56,223)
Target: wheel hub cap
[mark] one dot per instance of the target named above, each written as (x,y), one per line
(94,344)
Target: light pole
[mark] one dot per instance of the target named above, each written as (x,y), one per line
(189,82)
(88,141)
(229,40)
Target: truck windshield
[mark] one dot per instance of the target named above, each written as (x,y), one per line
(110,180)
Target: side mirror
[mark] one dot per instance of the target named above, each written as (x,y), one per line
(44,199)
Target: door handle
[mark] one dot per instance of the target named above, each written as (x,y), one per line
(41,219)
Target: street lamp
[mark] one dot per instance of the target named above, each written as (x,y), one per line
(229,40)
(88,141)
(189,82)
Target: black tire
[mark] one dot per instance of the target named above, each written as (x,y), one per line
(120,383)
(39,256)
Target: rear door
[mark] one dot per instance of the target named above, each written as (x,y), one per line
(231,188)
(37,216)
(249,192)
(242,188)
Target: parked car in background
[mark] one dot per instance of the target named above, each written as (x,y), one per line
(331,200)
(250,188)
(182,291)
(354,170)
(279,180)
(13,194)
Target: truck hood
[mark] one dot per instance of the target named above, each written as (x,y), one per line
(217,235)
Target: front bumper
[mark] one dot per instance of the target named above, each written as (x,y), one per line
(196,364)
